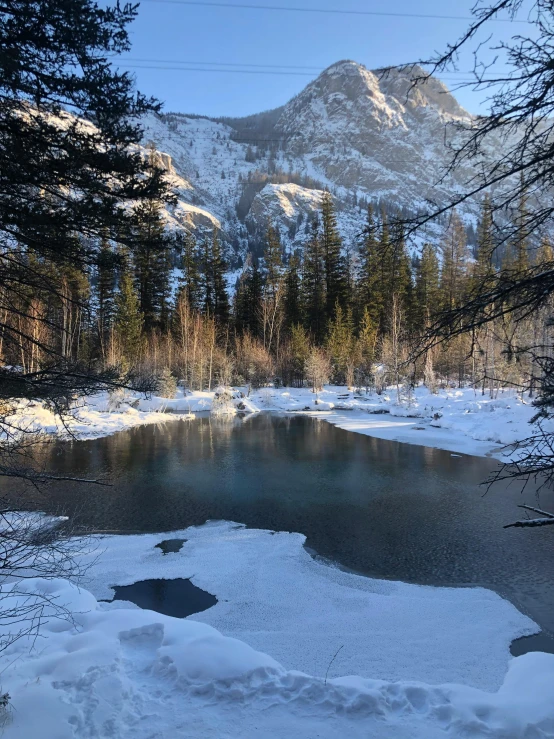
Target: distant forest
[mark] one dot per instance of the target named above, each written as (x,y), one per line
(358,317)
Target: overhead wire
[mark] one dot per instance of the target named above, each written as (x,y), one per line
(328,11)
(166,67)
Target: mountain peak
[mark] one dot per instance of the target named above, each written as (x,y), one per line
(354,80)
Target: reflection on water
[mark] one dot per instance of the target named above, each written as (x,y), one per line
(378,507)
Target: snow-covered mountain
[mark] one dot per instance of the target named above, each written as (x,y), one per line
(363,135)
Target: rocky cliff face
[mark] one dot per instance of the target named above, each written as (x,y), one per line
(361,134)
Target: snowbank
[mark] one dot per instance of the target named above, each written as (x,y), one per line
(89,419)
(133,674)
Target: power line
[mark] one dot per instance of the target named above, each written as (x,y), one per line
(327,11)
(219,71)
(468,80)
(225,64)
(312,68)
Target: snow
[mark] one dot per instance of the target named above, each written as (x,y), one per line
(123,672)
(274,596)
(87,420)
(456,420)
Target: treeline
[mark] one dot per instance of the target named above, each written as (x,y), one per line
(359,319)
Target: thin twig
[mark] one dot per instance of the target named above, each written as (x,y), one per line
(331,662)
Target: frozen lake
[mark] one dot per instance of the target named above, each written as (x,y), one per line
(378,507)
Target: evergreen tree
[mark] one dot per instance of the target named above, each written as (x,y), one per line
(340,341)
(61,181)
(273,260)
(516,252)
(384,261)
(454,264)
(369,286)
(333,261)
(401,275)
(105,291)
(248,299)
(313,285)
(129,320)
(190,282)
(427,291)
(367,337)
(521,246)
(152,262)
(293,295)
(221,298)
(215,298)
(300,351)
(484,268)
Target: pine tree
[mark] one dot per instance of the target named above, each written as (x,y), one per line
(401,275)
(248,299)
(369,286)
(293,296)
(152,262)
(215,300)
(384,260)
(333,261)
(60,180)
(313,285)
(454,264)
(427,291)
(129,320)
(340,343)
(190,282)
(105,292)
(221,298)
(484,268)
(273,260)
(367,338)
(516,256)
(300,351)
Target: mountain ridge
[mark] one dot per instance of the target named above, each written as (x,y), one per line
(364,135)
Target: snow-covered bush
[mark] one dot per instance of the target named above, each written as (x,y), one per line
(166,384)
(266,397)
(115,399)
(223,402)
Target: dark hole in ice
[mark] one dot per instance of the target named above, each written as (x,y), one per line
(171,546)
(536,643)
(179,597)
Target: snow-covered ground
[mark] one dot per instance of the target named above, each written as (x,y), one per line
(94,417)
(415,662)
(455,420)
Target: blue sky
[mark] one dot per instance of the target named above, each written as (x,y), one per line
(209,36)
